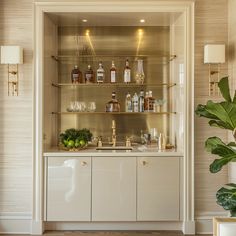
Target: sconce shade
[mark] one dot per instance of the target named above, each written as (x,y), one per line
(214,53)
(11,55)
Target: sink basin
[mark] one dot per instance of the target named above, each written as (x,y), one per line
(114,148)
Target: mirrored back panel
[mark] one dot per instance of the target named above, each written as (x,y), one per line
(85,46)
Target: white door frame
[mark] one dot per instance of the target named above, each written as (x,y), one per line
(187,8)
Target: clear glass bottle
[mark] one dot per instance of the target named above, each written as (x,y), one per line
(89,76)
(139,76)
(127,72)
(128,103)
(141,101)
(113,72)
(100,73)
(113,105)
(135,103)
(76,75)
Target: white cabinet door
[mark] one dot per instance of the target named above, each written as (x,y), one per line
(68,189)
(158,188)
(114,189)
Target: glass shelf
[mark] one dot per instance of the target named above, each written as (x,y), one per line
(113,113)
(58,57)
(123,85)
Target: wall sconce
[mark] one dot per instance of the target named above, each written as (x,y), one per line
(12,56)
(214,54)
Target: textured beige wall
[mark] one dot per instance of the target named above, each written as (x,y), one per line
(16,28)
(16,24)
(210,27)
(232,43)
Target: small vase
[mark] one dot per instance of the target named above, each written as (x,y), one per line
(139,76)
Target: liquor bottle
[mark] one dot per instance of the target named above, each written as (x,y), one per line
(151,102)
(139,76)
(89,76)
(127,72)
(113,72)
(146,102)
(141,101)
(135,103)
(113,105)
(76,75)
(128,103)
(100,73)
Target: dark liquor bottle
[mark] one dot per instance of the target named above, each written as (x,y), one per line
(113,105)
(76,75)
(89,75)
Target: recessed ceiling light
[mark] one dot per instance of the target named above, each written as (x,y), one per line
(84,20)
(142,21)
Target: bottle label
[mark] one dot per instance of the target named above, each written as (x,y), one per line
(88,77)
(75,77)
(141,105)
(100,77)
(113,76)
(129,106)
(135,106)
(127,76)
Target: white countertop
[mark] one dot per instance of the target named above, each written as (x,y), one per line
(141,151)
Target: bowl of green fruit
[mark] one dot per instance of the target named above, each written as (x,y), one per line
(74,139)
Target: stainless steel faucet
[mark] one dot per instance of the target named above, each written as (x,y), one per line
(113,137)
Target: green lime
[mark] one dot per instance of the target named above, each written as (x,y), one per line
(71,144)
(65,142)
(77,144)
(82,143)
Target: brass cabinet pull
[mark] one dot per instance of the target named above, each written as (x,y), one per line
(83,163)
(144,163)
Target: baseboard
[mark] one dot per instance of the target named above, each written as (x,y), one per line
(15,222)
(113,226)
(189,227)
(37,227)
(15,226)
(204,221)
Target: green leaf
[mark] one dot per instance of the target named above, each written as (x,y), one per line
(232,144)
(224,111)
(201,111)
(224,89)
(226,153)
(216,146)
(234,99)
(219,124)
(226,197)
(212,142)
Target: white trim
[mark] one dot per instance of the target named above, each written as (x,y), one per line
(204,226)
(114,226)
(15,216)
(15,226)
(204,221)
(187,8)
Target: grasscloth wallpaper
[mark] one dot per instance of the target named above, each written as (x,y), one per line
(16,113)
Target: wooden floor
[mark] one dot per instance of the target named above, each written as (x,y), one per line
(111,233)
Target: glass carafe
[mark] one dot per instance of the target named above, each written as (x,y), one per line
(139,75)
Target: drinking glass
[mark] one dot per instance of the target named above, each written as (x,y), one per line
(83,106)
(92,106)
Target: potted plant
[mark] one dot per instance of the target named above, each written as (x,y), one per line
(222,115)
